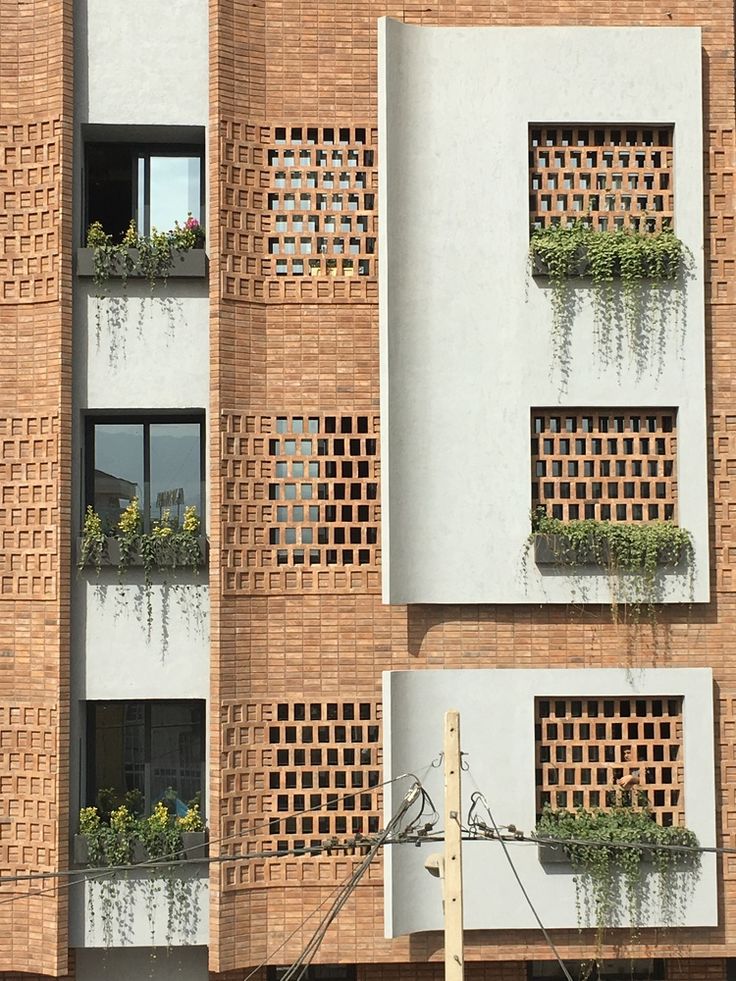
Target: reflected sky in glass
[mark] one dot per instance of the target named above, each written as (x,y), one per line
(174,190)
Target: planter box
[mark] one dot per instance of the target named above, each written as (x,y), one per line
(194,845)
(580,267)
(554,550)
(111,555)
(191,264)
(552,855)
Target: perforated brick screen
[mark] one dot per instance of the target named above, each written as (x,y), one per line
(585,746)
(605,464)
(301,495)
(322,198)
(618,176)
(284,758)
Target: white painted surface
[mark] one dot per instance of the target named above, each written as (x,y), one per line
(177,964)
(497,734)
(117,655)
(141,350)
(141,62)
(139,912)
(466,347)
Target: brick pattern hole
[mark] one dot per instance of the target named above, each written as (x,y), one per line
(605,464)
(313,775)
(618,176)
(585,746)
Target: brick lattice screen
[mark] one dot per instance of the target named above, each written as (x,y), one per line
(30,190)
(301,502)
(28,513)
(299,210)
(281,758)
(606,464)
(584,746)
(616,176)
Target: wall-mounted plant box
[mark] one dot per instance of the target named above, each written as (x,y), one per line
(111,555)
(194,846)
(556,550)
(190,264)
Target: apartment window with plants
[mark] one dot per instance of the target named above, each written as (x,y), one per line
(156,460)
(155,185)
(140,753)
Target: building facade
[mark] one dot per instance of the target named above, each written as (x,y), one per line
(363,464)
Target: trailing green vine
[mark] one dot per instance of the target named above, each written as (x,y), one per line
(114,842)
(631,554)
(153,254)
(167,546)
(614,882)
(642,261)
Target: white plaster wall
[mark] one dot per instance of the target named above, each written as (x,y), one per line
(117,655)
(138,349)
(497,734)
(177,964)
(137,920)
(141,62)
(466,347)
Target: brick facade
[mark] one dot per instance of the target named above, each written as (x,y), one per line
(35,463)
(273,355)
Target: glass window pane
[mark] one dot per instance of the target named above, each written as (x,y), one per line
(174,190)
(177,752)
(118,476)
(119,748)
(175,469)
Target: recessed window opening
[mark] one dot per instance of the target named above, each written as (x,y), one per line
(153,184)
(158,459)
(143,752)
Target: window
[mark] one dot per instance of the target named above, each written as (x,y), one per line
(143,752)
(156,184)
(158,459)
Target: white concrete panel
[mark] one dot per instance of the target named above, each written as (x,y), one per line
(141,62)
(142,912)
(497,734)
(134,348)
(466,341)
(117,655)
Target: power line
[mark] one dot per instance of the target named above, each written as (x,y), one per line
(478,796)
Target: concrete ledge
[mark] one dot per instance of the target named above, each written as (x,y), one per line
(192,264)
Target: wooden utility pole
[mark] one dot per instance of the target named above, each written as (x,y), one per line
(454,958)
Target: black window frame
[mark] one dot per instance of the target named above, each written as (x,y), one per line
(91,789)
(146,149)
(146,419)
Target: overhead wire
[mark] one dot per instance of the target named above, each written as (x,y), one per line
(478,796)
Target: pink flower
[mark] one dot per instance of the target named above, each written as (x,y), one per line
(191,223)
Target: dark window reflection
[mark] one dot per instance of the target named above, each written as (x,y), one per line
(143,752)
(157,462)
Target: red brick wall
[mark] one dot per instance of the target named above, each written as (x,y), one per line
(35,472)
(302,63)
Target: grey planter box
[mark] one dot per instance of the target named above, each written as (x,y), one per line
(194,846)
(191,264)
(552,855)
(111,555)
(554,550)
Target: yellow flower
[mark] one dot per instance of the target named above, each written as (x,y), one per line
(131,519)
(162,528)
(191,520)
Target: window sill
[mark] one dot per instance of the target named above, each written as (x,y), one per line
(111,555)
(190,264)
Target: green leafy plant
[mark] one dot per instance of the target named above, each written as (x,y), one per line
(631,554)
(94,541)
(113,842)
(641,260)
(166,547)
(650,879)
(154,252)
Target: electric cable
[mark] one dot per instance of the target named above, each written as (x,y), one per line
(478,796)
